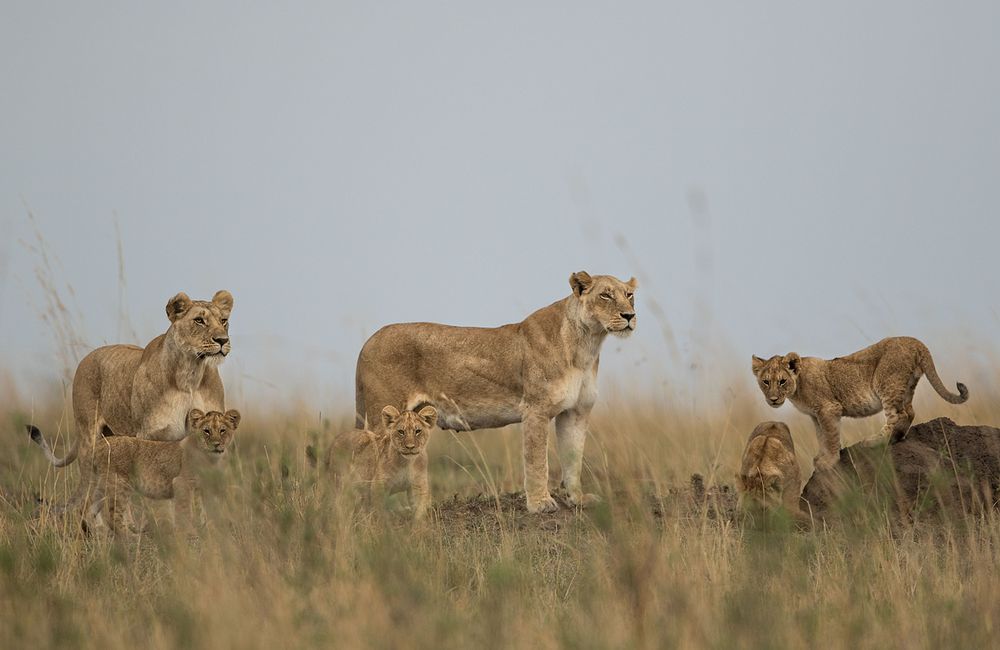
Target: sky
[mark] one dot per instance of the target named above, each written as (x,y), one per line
(778,176)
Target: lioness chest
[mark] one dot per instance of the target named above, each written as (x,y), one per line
(576,388)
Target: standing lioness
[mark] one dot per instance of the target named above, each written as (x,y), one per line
(147,392)
(880,377)
(530,372)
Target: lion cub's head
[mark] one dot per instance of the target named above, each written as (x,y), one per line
(201,328)
(607,304)
(769,475)
(778,377)
(214,430)
(409,431)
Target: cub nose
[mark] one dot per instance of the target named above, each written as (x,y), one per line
(221,340)
(628,317)
(411,445)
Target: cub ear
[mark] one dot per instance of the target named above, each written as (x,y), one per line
(792,361)
(389,415)
(224,301)
(581,282)
(193,416)
(741,482)
(429,415)
(633,283)
(758,364)
(771,481)
(234,418)
(178,306)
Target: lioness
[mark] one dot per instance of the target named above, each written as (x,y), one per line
(769,475)
(156,469)
(530,372)
(393,459)
(147,392)
(880,377)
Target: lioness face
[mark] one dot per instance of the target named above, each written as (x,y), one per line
(777,377)
(608,303)
(201,327)
(409,431)
(213,430)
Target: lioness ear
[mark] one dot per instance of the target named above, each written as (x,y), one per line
(632,283)
(223,300)
(234,418)
(758,364)
(792,361)
(178,306)
(429,415)
(193,416)
(581,282)
(389,415)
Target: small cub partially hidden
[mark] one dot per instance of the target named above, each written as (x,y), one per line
(156,469)
(769,476)
(880,377)
(391,460)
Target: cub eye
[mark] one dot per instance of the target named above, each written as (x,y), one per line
(418,432)
(208,432)
(606,296)
(767,382)
(400,433)
(222,430)
(200,320)
(781,383)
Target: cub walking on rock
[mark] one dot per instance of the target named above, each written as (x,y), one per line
(881,377)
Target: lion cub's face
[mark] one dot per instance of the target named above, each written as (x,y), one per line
(608,303)
(409,431)
(777,377)
(213,430)
(200,327)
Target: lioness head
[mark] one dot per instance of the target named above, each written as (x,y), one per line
(409,431)
(213,430)
(199,327)
(607,304)
(778,377)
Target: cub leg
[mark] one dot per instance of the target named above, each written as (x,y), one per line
(828,433)
(115,498)
(536,464)
(571,435)
(185,497)
(420,492)
(897,422)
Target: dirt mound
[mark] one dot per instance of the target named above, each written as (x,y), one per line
(939,468)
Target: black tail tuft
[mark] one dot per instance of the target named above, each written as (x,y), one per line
(36,435)
(311,455)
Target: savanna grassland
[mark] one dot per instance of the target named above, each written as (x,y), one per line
(287,562)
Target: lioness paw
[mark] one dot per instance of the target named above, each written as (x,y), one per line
(543,506)
(583,500)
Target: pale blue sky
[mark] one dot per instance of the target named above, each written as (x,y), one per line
(785,175)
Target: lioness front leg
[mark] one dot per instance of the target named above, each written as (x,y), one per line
(828,433)
(571,435)
(536,464)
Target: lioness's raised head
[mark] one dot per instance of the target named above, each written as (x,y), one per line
(213,430)
(769,474)
(409,431)
(200,327)
(606,303)
(778,377)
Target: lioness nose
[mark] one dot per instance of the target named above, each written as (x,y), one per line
(628,317)
(221,340)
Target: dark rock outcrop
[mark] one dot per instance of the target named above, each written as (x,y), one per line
(939,468)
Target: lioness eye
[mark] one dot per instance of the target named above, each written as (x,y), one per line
(200,320)
(606,296)
(225,322)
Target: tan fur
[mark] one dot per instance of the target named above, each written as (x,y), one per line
(881,377)
(769,476)
(542,368)
(156,469)
(391,460)
(146,392)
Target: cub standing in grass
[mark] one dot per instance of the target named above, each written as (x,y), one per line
(769,476)
(543,368)
(389,461)
(881,377)
(156,469)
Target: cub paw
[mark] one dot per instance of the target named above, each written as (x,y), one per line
(874,441)
(546,505)
(824,463)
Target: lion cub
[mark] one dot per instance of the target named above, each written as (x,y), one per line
(880,377)
(389,461)
(769,476)
(156,469)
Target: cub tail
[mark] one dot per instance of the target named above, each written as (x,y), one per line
(927,365)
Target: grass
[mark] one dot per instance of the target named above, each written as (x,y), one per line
(286,562)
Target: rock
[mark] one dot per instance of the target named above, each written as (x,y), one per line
(939,468)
